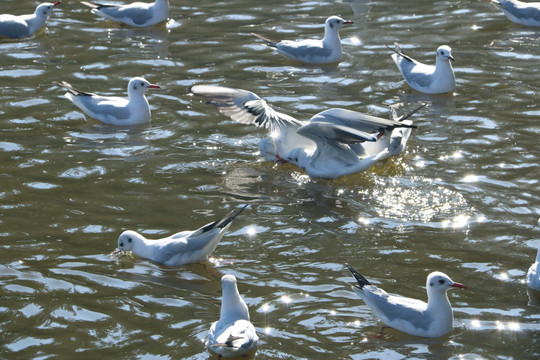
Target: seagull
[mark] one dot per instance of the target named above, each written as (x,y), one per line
(429,79)
(411,316)
(182,248)
(325,51)
(533,275)
(333,143)
(137,14)
(520,12)
(233,335)
(21,26)
(115,110)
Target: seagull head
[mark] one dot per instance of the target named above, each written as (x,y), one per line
(444,52)
(140,85)
(297,157)
(127,240)
(440,282)
(335,22)
(45,10)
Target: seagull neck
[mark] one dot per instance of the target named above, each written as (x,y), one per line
(141,246)
(136,96)
(35,21)
(331,36)
(232,304)
(442,65)
(438,302)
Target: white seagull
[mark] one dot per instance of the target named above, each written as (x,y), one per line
(21,26)
(115,110)
(233,335)
(182,248)
(520,12)
(533,275)
(137,14)
(333,143)
(429,79)
(325,51)
(411,316)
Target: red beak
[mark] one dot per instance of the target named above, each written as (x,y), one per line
(57,3)
(154,86)
(458,285)
(348,22)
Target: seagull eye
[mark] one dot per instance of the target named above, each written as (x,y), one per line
(441,281)
(142,84)
(129,240)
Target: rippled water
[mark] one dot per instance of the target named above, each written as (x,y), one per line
(462,199)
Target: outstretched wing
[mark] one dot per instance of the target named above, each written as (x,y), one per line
(358,121)
(245,107)
(334,133)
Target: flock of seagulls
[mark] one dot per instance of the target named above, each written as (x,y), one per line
(333,143)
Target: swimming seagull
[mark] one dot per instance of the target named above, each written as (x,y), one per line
(533,275)
(233,335)
(137,14)
(327,50)
(333,143)
(411,316)
(182,248)
(520,12)
(21,26)
(115,110)
(429,79)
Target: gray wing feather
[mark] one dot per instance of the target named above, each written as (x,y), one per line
(244,106)
(395,307)
(357,120)
(95,105)
(170,249)
(523,12)
(12,28)
(299,49)
(408,65)
(139,14)
(188,241)
(332,132)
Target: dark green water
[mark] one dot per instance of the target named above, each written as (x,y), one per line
(462,198)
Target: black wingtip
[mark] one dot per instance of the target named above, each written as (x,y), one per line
(362,281)
(230,217)
(224,221)
(412,112)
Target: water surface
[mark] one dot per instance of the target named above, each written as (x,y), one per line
(462,198)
